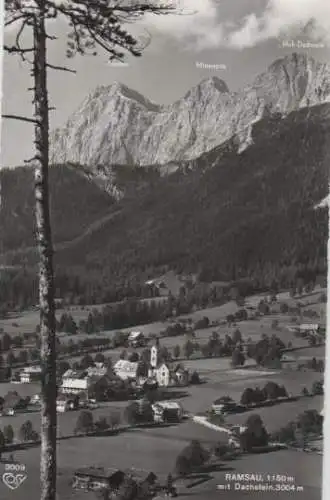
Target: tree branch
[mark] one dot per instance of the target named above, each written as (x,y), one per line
(20,118)
(15,49)
(30,160)
(61,68)
(14,19)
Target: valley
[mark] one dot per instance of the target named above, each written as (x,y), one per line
(190,264)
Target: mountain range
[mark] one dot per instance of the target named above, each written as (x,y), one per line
(239,195)
(117,125)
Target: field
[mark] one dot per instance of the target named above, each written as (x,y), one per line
(220,380)
(23,390)
(156,450)
(28,320)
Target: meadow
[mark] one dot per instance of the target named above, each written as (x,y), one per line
(156,451)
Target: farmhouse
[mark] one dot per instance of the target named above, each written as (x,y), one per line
(181,375)
(167,411)
(74,382)
(136,339)
(97,478)
(223,405)
(310,328)
(125,370)
(30,374)
(147,481)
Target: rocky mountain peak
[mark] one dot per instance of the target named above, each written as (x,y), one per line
(118,125)
(118,90)
(215,83)
(207,87)
(298,59)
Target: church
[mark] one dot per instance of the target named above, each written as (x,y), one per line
(166,374)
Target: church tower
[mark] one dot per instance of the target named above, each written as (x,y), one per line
(154,356)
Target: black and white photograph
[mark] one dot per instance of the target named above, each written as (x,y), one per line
(164,209)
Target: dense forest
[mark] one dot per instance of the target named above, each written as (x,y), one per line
(75,202)
(250,215)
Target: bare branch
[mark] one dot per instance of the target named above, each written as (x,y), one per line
(30,160)
(51,37)
(18,37)
(20,118)
(14,20)
(61,68)
(16,50)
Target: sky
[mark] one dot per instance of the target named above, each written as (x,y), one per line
(242,37)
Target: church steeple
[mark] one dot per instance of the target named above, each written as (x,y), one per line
(154,356)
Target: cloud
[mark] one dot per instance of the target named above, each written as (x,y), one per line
(197,24)
(201,24)
(211,24)
(280,18)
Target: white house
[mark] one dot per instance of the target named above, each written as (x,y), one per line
(310,328)
(164,374)
(125,369)
(30,374)
(75,385)
(74,382)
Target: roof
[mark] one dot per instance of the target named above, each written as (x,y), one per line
(126,366)
(71,374)
(134,335)
(163,363)
(31,369)
(167,405)
(97,371)
(179,368)
(307,326)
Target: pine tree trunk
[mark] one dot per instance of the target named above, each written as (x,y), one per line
(46,279)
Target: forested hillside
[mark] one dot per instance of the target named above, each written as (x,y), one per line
(249,215)
(76,202)
(234,215)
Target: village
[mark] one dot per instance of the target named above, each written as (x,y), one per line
(159,407)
